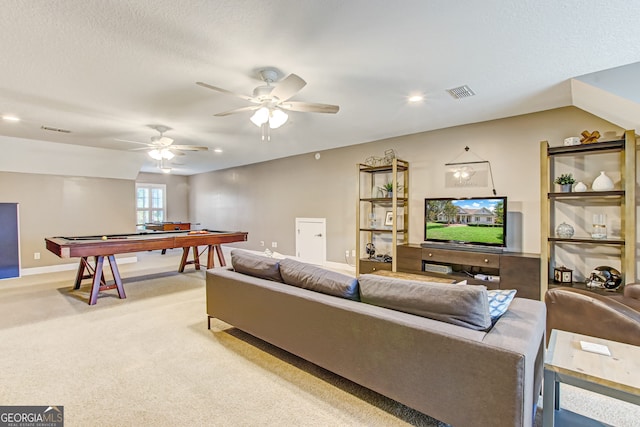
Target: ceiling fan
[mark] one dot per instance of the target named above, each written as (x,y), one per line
(272,102)
(162,147)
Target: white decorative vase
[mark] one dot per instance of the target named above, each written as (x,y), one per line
(602,183)
(580,187)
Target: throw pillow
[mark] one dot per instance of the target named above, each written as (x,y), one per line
(499,300)
(318,279)
(256,265)
(466,306)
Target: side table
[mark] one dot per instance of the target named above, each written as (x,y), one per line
(617,376)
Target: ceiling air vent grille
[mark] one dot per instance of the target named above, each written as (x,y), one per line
(461,92)
(54,129)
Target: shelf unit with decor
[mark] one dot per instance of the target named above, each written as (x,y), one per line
(619,247)
(382,218)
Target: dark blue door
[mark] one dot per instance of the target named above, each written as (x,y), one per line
(9,255)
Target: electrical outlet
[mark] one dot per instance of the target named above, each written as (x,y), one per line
(36,255)
(346,253)
(274,244)
(353,252)
(261,242)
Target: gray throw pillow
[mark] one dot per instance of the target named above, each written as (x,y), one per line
(318,279)
(466,306)
(256,265)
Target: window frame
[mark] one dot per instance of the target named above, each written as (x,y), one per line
(150,209)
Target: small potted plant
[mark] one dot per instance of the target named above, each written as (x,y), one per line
(565,181)
(388,188)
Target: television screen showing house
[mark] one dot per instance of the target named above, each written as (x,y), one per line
(465,220)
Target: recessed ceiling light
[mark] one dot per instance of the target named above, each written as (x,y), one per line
(217,150)
(416,98)
(11,118)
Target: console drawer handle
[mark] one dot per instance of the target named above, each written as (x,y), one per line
(430,254)
(486,260)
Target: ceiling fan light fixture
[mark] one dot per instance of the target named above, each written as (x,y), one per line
(277,118)
(260,117)
(167,154)
(155,154)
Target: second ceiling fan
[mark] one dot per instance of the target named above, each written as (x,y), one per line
(272,102)
(162,147)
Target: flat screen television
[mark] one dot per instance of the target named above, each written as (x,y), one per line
(474,220)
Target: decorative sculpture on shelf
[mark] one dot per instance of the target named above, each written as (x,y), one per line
(589,137)
(389,155)
(373,161)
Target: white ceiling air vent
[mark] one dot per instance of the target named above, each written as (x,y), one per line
(461,92)
(52,129)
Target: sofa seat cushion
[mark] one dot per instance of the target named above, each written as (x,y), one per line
(466,306)
(256,265)
(318,279)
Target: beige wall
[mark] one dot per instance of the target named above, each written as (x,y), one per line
(54,205)
(264,199)
(177,193)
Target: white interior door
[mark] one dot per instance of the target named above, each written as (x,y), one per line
(311,240)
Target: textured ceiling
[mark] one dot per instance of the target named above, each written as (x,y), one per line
(108,70)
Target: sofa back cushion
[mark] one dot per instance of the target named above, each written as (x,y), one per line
(318,279)
(256,265)
(462,305)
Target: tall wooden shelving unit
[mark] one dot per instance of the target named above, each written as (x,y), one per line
(372,209)
(623,196)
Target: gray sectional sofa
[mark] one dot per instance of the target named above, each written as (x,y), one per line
(464,369)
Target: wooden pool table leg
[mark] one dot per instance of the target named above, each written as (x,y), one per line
(196,257)
(80,275)
(116,276)
(85,265)
(183,261)
(99,282)
(220,256)
(97,276)
(185,255)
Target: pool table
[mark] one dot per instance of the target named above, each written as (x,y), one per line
(101,247)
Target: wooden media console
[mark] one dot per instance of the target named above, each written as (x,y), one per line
(520,271)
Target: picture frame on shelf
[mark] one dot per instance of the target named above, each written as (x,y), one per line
(388,219)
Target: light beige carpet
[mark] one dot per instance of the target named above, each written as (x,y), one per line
(149,360)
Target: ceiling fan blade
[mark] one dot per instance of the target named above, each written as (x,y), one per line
(238,110)
(309,107)
(288,87)
(162,141)
(208,86)
(135,142)
(189,148)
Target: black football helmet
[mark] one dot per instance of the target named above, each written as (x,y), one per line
(605,277)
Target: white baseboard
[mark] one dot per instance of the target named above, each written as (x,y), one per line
(340,266)
(65,267)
